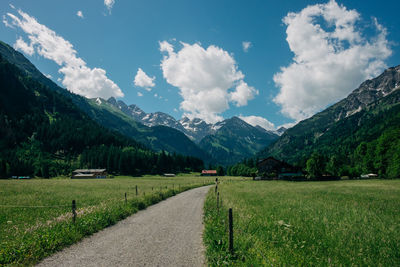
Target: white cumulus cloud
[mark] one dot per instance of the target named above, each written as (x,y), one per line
(78,77)
(139,94)
(331,58)
(80,14)
(208,79)
(109,4)
(242,94)
(143,80)
(246,46)
(20,44)
(260,121)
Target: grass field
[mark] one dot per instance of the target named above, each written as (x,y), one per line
(36,217)
(350,223)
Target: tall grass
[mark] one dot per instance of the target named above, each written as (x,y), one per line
(36,217)
(309,223)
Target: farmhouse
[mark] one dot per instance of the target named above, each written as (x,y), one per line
(276,169)
(209,173)
(89,173)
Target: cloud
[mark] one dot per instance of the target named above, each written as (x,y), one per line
(208,79)
(80,14)
(78,78)
(331,58)
(48,76)
(242,94)
(260,121)
(20,44)
(109,4)
(139,94)
(246,46)
(142,80)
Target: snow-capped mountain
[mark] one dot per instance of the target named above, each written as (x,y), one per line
(196,129)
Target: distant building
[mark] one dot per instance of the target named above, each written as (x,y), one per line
(369,175)
(276,169)
(209,173)
(89,173)
(169,175)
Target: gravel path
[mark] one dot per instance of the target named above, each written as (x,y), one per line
(166,234)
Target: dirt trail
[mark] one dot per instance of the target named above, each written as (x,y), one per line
(166,234)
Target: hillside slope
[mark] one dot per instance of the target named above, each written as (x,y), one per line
(369,115)
(156,138)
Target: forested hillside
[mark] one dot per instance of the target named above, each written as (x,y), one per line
(360,134)
(156,138)
(43,133)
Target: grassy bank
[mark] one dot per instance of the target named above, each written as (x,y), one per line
(36,217)
(310,223)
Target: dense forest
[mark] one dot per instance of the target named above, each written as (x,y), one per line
(44,134)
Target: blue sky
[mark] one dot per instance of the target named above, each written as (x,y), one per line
(193,57)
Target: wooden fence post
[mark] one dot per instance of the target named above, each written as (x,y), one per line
(136,191)
(218,201)
(73,211)
(126,201)
(230,231)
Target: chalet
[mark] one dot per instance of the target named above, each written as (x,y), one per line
(209,173)
(276,169)
(89,173)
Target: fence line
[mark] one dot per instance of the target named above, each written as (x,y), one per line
(112,199)
(15,206)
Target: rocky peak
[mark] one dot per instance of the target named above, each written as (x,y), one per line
(280,131)
(368,92)
(112,101)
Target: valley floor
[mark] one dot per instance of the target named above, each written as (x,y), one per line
(350,223)
(36,215)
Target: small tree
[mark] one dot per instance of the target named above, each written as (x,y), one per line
(220,171)
(315,165)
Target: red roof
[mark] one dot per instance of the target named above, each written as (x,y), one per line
(209,172)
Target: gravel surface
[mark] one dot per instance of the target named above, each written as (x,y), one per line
(166,234)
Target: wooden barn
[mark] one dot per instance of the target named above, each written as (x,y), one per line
(89,173)
(209,173)
(276,169)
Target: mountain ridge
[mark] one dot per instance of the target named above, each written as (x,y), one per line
(154,138)
(366,114)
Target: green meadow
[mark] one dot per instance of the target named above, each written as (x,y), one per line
(338,223)
(36,215)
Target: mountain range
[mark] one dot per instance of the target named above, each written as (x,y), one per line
(227,142)
(160,131)
(367,120)
(196,129)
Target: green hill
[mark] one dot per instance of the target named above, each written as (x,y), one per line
(360,134)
